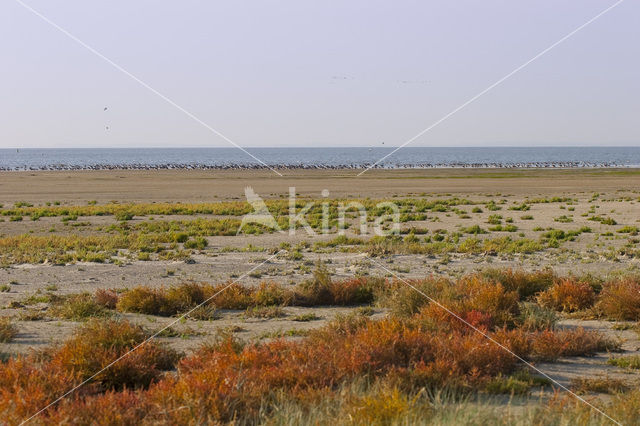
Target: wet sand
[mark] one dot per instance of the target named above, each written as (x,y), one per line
(201,186)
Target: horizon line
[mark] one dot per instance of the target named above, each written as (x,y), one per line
(320,147)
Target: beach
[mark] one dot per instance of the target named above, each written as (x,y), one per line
(215,185)
(68,235)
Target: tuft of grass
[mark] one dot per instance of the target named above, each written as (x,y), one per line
(474,230)
(306,317)
(198,243)
(293,332)
(7,330)
(518,383)
(633,230)
(607,385)
(534,318)
(494,219)
(603,220)
(563,219)
(205,313)
(78,307)
(31,315)
(265,312)
(144,256)
(631,361)
(521,207)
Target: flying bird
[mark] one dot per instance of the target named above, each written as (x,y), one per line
(105,108)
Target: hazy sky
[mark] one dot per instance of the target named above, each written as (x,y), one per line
(319,73)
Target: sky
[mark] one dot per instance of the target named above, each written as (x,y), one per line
(318,73)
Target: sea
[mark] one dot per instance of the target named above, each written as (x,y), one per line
(318,158)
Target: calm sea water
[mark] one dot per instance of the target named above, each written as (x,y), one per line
(38,159)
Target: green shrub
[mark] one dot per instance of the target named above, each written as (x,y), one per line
(123,216)
(519,383)
(631,361)
(198,243)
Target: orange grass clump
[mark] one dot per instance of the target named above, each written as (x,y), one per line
(568,295)
(527,284)
(620,300)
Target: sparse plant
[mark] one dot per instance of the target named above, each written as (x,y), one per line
(265,312)
(7,330)
(306,317)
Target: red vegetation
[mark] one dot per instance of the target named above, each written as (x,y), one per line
(230,382)
(28,383)
(221,382)
(106,298)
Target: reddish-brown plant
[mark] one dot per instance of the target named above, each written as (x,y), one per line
(567,295)
(620,300)
(106,297)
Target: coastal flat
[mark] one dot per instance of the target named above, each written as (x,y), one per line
(216,185)
(65,237)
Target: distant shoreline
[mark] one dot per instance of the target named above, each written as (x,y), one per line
(408,158)
(168,166)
